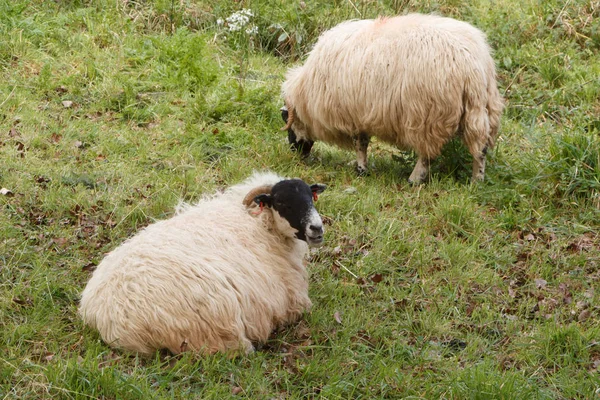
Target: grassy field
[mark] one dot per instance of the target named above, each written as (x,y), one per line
(111,111)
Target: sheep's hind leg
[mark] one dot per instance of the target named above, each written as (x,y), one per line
(420,172)
(479,165)
(361,144)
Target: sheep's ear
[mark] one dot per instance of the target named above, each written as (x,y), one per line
(264,199)
(318,188)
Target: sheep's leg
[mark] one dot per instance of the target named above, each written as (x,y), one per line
(361,144)
(420,172)
(477,130)
(479,165)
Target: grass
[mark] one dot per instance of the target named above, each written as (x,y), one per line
(113,111)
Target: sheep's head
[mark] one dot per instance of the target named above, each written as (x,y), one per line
(298,142)
(294,213)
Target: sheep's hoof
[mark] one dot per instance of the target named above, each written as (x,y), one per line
(362,171)
(415,182)
(417,177)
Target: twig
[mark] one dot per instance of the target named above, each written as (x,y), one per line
(339,264)
(560,14)
(9,95)
(351,3)
(513,80)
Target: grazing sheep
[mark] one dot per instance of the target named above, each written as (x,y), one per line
(218,276)
(414,81)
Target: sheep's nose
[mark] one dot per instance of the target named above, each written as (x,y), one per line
(316,230)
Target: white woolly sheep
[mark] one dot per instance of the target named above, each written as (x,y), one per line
(218,276)
(414,81)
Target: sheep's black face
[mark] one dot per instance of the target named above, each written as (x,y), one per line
(303,146)
(292,201)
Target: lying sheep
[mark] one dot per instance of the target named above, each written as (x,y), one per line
(219,275)
(414,81)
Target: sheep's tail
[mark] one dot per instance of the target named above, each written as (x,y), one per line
(482,108)
(495,105)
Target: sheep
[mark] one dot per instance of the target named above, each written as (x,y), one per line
(414,81)
(218,276)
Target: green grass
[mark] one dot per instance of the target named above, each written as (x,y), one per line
(113,111)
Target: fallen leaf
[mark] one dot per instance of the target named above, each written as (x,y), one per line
(582,243)
(376,278)
(336,316)
(540,283)
(529,237)
(89,267)
(13,132)
(20,149)
(78,144)
(236,390)
(584,315)
(302,331)
(6,192)
(471,306)
(42,179)
(580,305)
(567,297)
(67,104)
(335,269)
(61,242)
(22,302)
(55,137)
(48,356)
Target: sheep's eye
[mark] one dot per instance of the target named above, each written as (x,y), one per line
(280,205)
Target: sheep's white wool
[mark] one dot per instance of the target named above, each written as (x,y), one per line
(215,277)
(413,81)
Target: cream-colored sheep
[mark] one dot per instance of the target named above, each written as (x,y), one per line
(219,275)
(414,81)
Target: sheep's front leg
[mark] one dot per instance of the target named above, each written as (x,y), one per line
(479,166)
(361,144)
(420,172)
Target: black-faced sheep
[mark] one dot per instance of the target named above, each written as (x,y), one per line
(414,81)
(219,275)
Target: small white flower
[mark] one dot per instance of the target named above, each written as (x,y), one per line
(238,20)
(220,21)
